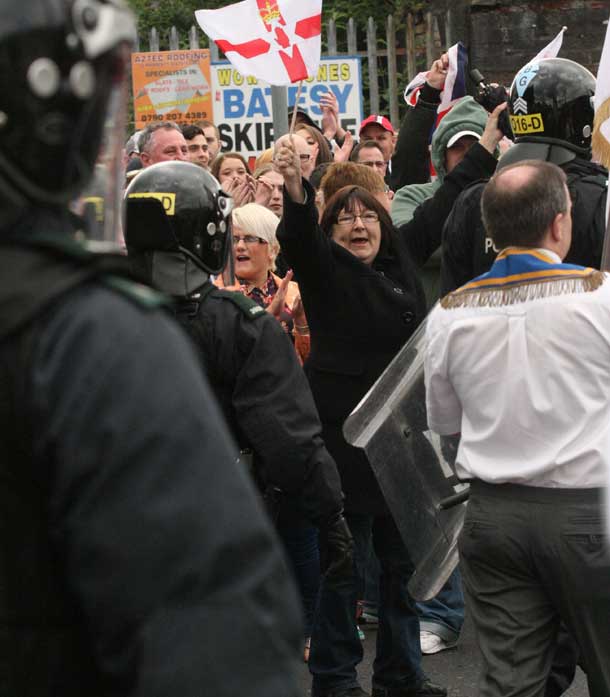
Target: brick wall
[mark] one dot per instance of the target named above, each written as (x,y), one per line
(503,35)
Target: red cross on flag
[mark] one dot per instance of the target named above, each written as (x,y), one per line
(277,41)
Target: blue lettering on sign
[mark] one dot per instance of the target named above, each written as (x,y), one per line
(233,101)
(525,76)
(257,105)
(292,95)
(341,93)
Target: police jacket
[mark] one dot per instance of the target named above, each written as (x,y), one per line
(469,252)
(264,394)
(136,560)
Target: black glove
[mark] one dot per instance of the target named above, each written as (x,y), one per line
(339,548)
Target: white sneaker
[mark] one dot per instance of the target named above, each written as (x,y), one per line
(433,643)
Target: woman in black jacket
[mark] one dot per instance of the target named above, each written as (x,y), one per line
(363,301)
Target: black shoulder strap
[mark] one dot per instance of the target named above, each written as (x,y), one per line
(247,306)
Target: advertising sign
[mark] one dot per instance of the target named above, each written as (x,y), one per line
(242,105)
(171,86)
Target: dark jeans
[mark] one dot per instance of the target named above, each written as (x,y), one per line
(443,615)
(300,540)
(530,559)
(336,649)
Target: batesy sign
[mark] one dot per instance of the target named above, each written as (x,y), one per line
(242,105)
(171,86)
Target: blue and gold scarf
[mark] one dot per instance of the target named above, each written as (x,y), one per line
(519,274)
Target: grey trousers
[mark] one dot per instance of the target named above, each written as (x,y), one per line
(530,558)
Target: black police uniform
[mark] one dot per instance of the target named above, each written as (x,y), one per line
(135,557)
(551,114)
(468,251)
(249,358)
(264,394)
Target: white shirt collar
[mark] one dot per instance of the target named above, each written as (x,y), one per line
(555,257)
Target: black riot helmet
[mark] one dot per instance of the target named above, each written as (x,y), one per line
(63,63)
(178,207)
(551,111)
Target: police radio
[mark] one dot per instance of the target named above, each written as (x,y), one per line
(489,96)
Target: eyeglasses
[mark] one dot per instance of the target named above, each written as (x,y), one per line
(248,239)
(380,164)
(368,218)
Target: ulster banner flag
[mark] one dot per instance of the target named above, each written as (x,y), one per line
(277,41)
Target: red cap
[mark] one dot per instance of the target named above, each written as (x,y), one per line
(381,120)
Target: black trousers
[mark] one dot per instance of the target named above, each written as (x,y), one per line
(531,558)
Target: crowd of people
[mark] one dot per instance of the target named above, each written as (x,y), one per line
(154,461)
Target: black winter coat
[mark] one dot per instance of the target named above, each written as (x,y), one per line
(360,316)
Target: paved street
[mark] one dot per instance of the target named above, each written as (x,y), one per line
(457,668)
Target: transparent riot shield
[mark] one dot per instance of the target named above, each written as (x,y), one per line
(414,467)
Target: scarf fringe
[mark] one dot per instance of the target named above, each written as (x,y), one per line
(535,290)
(599,144)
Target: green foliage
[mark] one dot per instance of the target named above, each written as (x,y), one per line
(163,14)
(361,10)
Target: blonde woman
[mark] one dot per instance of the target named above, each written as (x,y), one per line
(255,249)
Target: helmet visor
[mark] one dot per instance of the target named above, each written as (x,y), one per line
(99,204)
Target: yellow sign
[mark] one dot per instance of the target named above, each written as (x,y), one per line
(167,200)
(527,123)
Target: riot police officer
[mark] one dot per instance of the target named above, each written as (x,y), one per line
(177,234)
(551,113)
(136,559)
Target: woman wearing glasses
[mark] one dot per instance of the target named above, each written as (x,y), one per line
(363,302)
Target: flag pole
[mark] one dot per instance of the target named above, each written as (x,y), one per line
(279,109)
(296,106)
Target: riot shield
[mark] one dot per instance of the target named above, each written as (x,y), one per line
(414,467)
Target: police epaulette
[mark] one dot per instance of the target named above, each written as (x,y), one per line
(137,292)
(244,303)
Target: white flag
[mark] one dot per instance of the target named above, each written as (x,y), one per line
(277,41)
(552,49)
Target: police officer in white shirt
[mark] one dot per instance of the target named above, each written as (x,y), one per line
(518,362)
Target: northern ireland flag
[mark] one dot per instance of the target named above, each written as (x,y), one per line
(277,41)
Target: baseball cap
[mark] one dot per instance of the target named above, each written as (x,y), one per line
(462,134)
(380,120)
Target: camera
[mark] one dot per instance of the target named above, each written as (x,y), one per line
(489,96)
